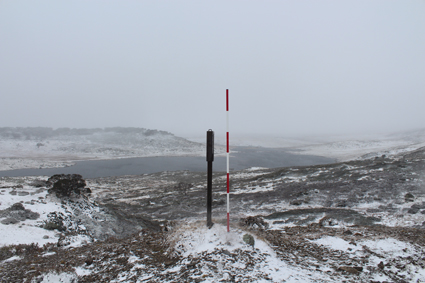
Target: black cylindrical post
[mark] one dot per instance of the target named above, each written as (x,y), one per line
(210,159)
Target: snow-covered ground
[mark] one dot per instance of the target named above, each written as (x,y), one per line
(226,257)
(195,239)
(340,147)
(316,251)
(17,228)
(321,250)
(20,149)
(355,149)
(344,148)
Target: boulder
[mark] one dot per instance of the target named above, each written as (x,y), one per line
(351,270)
(17,206)
(296,202)
(409,197)
(249,239)
(9,220)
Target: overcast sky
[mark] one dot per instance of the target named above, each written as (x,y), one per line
(292,67)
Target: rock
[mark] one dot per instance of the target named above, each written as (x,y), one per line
(21,194)
(226,252)
(31,215)
(89,261)
(325,221)
(169,262)
(254,222)
(420,206)
(218,202)
(351,270)
(409,197)
(66,185)
(342,203)
(38,183)
(22,215)
(17,206)
(415,208)
(249,239)
(381,265)
(348,232)
(45,237)
(9,220)
(296,202)
(38,191)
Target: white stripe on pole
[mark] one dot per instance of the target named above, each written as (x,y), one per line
(227,157)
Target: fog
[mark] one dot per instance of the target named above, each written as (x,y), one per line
(291,67)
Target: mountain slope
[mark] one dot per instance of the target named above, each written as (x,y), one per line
(47,148)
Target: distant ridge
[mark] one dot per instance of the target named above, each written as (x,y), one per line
(42,147)
(45,132)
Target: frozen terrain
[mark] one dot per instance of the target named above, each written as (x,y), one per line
(342,147)
(354,221)
(47,148)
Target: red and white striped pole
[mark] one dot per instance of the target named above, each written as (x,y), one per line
(227,158)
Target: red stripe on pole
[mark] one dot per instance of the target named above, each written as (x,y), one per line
(227,100)
(228,155)
(227,138)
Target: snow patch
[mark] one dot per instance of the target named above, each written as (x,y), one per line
(52,277)
(336,243)
(195,239)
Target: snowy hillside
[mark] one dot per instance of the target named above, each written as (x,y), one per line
(360,148)
(342,147)
(48,148)
(345,148)
(339,147)
(355,221)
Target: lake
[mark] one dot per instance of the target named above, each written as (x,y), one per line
(241,158)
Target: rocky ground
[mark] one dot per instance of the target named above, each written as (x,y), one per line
(372,188)
(355,221)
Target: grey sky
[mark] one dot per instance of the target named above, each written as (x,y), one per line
(292,67)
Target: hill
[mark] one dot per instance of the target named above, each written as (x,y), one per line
(49,148)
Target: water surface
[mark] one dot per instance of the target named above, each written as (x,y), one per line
(241,158)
